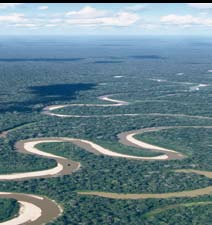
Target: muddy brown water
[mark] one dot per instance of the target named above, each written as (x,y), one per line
(191,193)
(171,155)
(50,210)
(124,141)
(69,166)
(3,134)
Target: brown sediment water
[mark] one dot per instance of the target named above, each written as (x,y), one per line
(50,210)
(48,110)
(127,138)
(69,166)
(3,134)
(189,204)
(190,193)
(200,172)
(172,155)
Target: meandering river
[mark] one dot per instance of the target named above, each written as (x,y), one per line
(39,209)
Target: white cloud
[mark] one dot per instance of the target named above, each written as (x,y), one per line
(201,5)
(89,16)
(87,12)
(186,20)
(136,7)
(13,18)
(8,5)
(120,19)
(31,26)
(176,19)
(86,17)
(25,25)
(43,7)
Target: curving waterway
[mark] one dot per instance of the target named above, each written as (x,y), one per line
(41,205)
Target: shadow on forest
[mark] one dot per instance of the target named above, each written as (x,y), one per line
(47,95)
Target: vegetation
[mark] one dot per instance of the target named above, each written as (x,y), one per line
(150,82)
(184,214)
(128,150)
(8,209)
(192,141)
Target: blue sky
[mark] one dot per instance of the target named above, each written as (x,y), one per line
(106,19)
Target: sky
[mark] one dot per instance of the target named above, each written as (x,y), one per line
(106,19)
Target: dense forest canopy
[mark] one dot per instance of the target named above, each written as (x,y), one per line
(167,82)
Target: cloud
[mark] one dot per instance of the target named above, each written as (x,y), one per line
(25,25)
(201,5)
(120,19)
(185,20)
(13,18)
(9,5)
(135,7)
(177,20)
(89,16)
(43,7)
(86,17)
(87,12)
